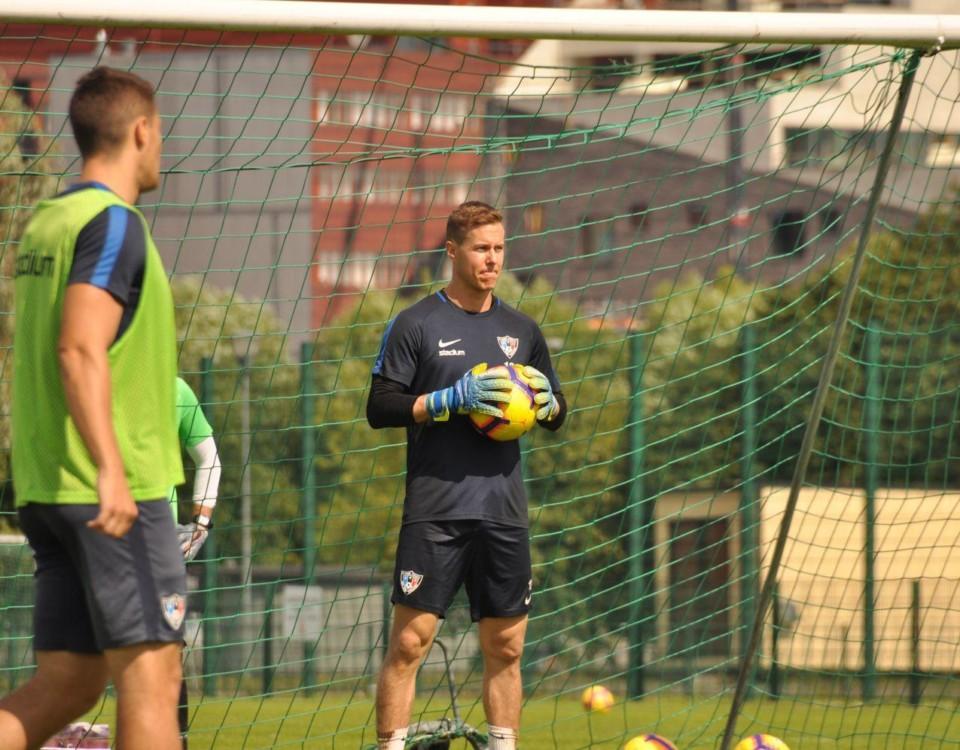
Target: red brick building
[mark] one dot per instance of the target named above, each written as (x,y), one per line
(397,141)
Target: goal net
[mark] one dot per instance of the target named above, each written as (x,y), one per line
(682,220)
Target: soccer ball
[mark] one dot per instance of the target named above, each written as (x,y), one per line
(597,698)
(649,742)
(519,414)
(80,734)
(761,742)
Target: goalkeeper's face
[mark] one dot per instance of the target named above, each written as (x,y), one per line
(478,260)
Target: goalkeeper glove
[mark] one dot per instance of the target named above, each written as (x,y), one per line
(545,398)
(191,537)
(470,394)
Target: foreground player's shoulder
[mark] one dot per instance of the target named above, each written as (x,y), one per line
(110,252)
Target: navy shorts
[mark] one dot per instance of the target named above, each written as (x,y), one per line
(434,558)
(94,592)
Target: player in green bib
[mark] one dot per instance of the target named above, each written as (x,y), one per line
(94,436)
(196,439)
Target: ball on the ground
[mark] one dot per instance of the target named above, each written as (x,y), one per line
(597,698)
(761,742)
(80,734)
(649,742)
(518,415)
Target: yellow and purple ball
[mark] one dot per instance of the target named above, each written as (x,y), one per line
(761,742)
(517,415)
(649,742)
(597,698)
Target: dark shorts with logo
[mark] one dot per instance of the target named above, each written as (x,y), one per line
(94,592)
(492,560)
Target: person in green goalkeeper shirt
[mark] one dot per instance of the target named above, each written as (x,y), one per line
(196,438)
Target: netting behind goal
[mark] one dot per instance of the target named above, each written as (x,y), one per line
(681,222)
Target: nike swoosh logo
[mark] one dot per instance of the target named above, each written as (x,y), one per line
(444,344)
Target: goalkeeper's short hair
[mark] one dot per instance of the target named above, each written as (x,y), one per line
(468,216)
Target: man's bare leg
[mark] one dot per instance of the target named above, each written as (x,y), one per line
(147,679)
(501,641)
(65,686)
(411,635)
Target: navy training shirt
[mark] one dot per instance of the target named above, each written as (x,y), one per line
(111,254)
(454,472)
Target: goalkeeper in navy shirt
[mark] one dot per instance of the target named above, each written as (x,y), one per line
(465,511)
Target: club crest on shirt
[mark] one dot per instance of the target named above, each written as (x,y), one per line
(509,345)
(410,581)
(174,608)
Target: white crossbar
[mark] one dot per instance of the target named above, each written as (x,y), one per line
(897,29)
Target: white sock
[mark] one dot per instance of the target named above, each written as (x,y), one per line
(502,738)
(394,740)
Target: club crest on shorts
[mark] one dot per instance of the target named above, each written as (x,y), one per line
(410,581)
(509,345)
(174,609)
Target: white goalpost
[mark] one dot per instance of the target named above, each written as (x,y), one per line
(924,31)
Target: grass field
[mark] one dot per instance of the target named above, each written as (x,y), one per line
(342,721)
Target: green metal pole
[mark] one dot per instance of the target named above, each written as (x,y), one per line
(526,672)
(775,686)
(640,529)
(749,526)
(269,668)
(871,419)
(386,608)
(308,487)
(10,630)
(915,690)
(211,586)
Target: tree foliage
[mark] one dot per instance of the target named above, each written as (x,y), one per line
(216,327)
(692,381)
(694,372)
(908,296)
(27,175)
